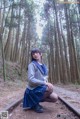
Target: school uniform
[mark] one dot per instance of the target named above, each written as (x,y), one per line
(36,88)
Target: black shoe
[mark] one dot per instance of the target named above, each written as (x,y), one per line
(40,106)
(38,109)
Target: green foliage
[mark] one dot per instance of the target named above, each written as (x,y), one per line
(27,6)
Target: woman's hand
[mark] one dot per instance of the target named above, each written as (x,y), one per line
(50,86)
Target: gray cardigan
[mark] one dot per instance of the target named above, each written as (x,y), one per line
(35,77)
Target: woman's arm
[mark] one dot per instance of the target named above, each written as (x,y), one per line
(31,76)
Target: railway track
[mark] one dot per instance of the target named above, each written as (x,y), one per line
(69,112)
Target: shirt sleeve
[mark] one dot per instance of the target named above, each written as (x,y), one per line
(31,76)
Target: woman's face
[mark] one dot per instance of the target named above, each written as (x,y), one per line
(37,56)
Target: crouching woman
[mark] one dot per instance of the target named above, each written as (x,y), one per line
(38,89)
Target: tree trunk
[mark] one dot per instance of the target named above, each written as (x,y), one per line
(70,45)
(7,48)
(16,48)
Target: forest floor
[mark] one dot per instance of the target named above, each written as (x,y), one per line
(53,110)
(12,90)
(14,85)
(71,87)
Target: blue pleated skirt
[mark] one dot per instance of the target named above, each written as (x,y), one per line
(33,97)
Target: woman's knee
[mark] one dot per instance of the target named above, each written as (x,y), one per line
(49,90)
(54,97)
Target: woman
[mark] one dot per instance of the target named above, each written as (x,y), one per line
(39,89)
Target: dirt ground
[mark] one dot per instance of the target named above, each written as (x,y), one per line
(51,111)
(71,87)
(10,91)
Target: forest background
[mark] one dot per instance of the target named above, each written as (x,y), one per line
(51,25)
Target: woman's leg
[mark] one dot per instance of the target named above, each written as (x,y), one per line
(50,96)
(53,97)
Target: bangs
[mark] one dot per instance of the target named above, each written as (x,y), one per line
(35,51)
